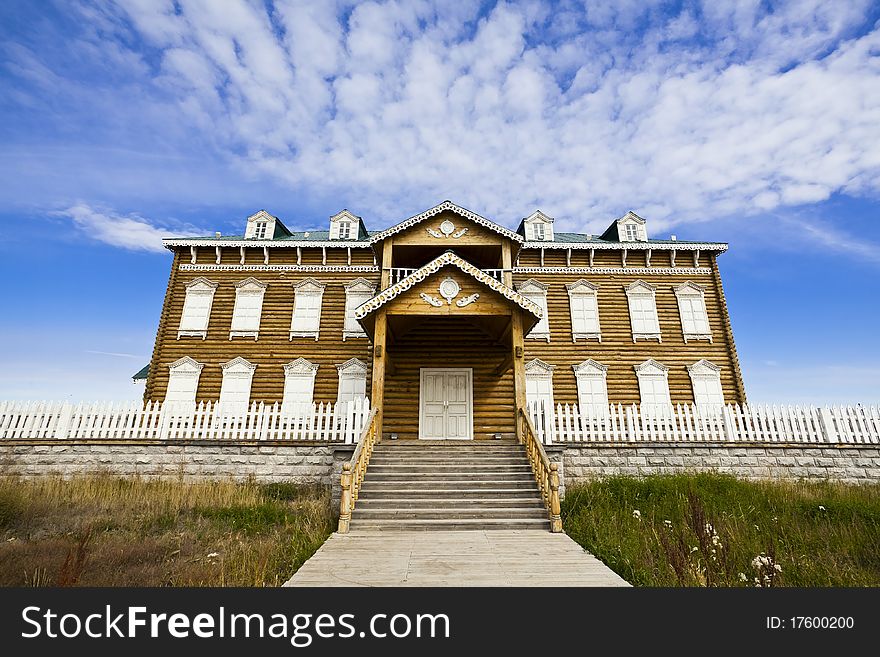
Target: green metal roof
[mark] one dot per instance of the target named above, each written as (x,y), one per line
(142,373)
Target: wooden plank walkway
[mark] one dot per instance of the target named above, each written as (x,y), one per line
(453,558)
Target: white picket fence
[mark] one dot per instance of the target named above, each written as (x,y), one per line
(689,423)
(342,422)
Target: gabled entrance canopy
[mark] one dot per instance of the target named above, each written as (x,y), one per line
(449,286)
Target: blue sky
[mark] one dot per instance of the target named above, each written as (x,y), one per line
(756,123)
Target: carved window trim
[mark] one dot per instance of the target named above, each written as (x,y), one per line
(295,371)
(355,371)
(579,291)
(197,288)
(691,294)
(308,288)
(184,369)
(640,293)
(650,373)
(249,288)
(238,369)
(585,374)
(536,292)
(701,373)
(357,293)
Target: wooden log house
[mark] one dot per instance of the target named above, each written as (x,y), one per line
(447,321)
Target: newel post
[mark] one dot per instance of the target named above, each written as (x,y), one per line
(345,500)
(555,508)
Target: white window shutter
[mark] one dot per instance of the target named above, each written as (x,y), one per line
(306,320)
(196,308)
(235,389)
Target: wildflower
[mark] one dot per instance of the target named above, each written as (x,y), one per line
(821,508)
(743,578)
(637,515)
(757,529)
(668,524)
(777,568)
(693,549)
(775,518)
(212,555)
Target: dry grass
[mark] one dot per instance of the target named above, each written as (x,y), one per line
(106,531)
(715,530)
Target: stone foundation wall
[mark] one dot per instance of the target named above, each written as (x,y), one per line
(847,463)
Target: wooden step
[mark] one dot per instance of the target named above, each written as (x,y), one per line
(448,525)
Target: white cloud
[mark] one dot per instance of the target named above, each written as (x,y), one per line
(128,232)
(583,109)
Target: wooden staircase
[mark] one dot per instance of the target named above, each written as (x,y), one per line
(445,485)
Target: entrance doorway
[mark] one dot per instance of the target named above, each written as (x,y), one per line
(446,403)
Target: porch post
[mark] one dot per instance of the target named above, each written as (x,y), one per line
(377,389)
(519,367)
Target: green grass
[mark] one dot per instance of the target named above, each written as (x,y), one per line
(707,530)
(108,531)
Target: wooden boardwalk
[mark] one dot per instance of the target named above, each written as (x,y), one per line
(453,558)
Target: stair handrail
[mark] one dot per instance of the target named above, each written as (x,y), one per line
(354,471)
(546,473)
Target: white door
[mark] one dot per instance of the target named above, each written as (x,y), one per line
(446,404)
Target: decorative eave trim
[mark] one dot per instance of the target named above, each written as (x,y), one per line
(239,361)
(447,258)
(442,207)
(300,366)
(590,366)
(250,280)
(704,365)
(360,269)
(642,367)
(347,215)
(572,287)
(539,365)
(171,243)
(632,246)
(201,280)
(186,360)
(631,216)
(537,215)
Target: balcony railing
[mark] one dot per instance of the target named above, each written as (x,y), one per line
(399,273)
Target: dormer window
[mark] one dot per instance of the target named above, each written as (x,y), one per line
(263,226)
(629,228)
(345,226)
(260,230)
(632,232)
(537,227)
(344,230)
(539,231)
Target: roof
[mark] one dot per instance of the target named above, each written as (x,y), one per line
(142,373)
(296,238)
(443,260)
(443,207)
(585,241)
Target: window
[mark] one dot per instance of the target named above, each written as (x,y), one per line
(537,293)
(344,230)
(538,226)
(583,302)
(631,233)
(692,308)
(643,311)
(306,320)
(706,382)
(299,386)
(260,230)
(538,230)
(344,226)
(248,308)
(654,386)
(591,387)
(183,381)
(352,381)
(196,308)
(357,292)
(235,390)
(539,384)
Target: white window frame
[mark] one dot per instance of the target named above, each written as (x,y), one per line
(641,293)
(704,373)
(538,371)
(353,370)
(184,369)
(295,372)
(583,291)
(347,218)
(344,230)
(538,227)
(650,373)
(357,292)
(307,288)
(536,292)
(197,289)
(260,228)
(538,231)
(249,288)
(588,374)
(238,369)
(692,310)
(639,228)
